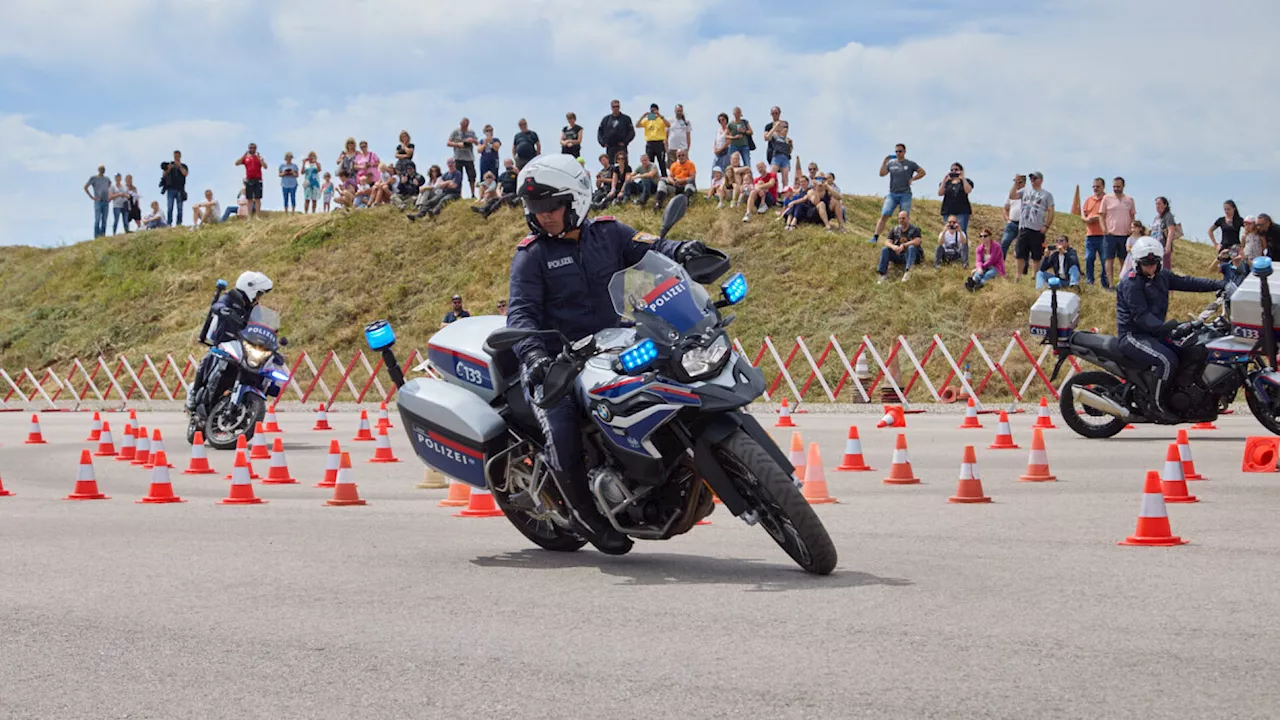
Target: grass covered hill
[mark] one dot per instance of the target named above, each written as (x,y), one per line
(147,292)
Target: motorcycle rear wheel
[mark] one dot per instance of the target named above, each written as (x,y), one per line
(1265,414)
(221,433)
(1090,424)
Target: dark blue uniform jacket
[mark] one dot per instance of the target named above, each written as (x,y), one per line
(1142,302)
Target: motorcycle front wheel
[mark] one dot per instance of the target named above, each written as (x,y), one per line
(1264,409)
(783,511)
(228,421)
(1086,421)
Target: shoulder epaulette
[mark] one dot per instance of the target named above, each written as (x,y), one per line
(605,218)
(526,242)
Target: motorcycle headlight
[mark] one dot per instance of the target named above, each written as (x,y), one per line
(255,355)
(698,362)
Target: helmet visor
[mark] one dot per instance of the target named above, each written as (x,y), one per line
(542,204)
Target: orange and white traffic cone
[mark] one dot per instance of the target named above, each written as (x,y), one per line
(383,453)
(142,453)
(969,488)
(384,418)
(1153,518)
(106,447)
(157,447)
(784,415)
(1172,483)
(278,473)
(815,479)
(1184,455)
(96,432)
(479,505)
(271,425)
(199,464)
(332,467)
(86,484)
(900,472)
(322,419)
(1043,419)
(894,417)
(1204,426)
(258,445)
(459,494)
(129,447)
(34,436)
(1038,460)
(796,456)
(133,416)
(344,490)
(6,493)
(971,417)
(1260,454)
(853,460)
(1004,435)
(161,490)
(363,434)
(242,446)
(241,492)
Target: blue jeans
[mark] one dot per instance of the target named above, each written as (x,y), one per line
(100,217)
(1095,247)
(1073,275)
(1010,233)
(987,276)
(175,198)
(744,152)
(230,212)
(895,201)
(290,197)
(962,218)
(907,258)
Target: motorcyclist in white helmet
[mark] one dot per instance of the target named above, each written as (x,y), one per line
(229,314)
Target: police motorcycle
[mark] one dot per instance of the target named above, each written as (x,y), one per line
(664,423)
(254,371)
(1230,345)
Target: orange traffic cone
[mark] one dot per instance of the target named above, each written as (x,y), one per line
(1172,482)
(199,464)
(853,460)
(382,453)
(106,448)
(480,505)
(459,494)
(1260,454)
(96,432)
(271,426)
(1184,455)
(129,447)
(157,447)
(133,415)
(1153,518)
(1038,460)
(900,473)
(384,418)
(815,482)
(894,417)
(363,433)
(34,436)
(1004,435)
(970,417)
(1043,420)
(6,493)
(344,490)
(143,452)
(278,473)
(86,484)
(332,467)
(969,489)
(1204,426)
(242,446)
(784,415)
(161,490)
(796,456)
(241,485)
(322,419)
(258,445)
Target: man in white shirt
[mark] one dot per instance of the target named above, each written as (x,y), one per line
(679,136)
(207,212)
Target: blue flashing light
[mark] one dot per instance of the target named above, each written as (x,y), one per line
(639,356)
(1055,283)
(280,377)
(1262,266)
(379,335)
(735,288)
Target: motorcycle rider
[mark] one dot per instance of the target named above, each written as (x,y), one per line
(1142,300)
(230,314)
(560,281)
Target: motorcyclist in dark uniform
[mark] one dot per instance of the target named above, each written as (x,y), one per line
(229,315)
(560,281)
(1142,301)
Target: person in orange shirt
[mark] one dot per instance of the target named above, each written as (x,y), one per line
(1094,234)
(680,178)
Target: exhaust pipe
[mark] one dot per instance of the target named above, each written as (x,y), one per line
(1091,399)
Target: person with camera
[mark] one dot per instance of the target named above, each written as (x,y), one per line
(1035,218)
(253,164)
(954,191)
(953,245)
(902,172)
(1063,263)
(173,183)
(411,182)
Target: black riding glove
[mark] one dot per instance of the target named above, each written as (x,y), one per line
(688,250)
(1167,328)
(536,365)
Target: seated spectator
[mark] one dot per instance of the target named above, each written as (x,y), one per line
(642,182)
(1232,264)
(1062,263)
(488,194)
(411,182)
(507,180)
(796,208)
(207,212)
(820,197)
(681,178)
(364,191)
(737,178)
(764,192)
(953,245)
(988,261)
(718,189)
(344,190)
(837,199)
(448,187)
(155,219)
(241,208)
(901,247)
(606,184)
(621,174)
(384,188)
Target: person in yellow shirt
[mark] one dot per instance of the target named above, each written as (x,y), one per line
(655,136)
(680,179)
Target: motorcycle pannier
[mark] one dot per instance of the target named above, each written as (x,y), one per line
(1068,314)
(452,429)
(1246,308)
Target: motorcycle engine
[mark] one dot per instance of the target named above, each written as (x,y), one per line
(607,484)
(1192,401)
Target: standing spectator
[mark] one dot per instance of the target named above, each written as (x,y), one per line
(463,140)
(1118,213)
(902,172)
(571,136)
(346,162)
(901,247)
(135,203)
(98,189)
(1036,218)
(643,182)
(411,182)
(954,191)
(288,173)
(953,245)
(1230,223)
(1136,232)
(679,136)
(764,193)
(721,145)
(740,141)
(526,145)
(175,186)
(616,131)
(1095,235)
(655,136)
(775,117)
(606,185)
(326,191)
(1062,263)
(1269,233)
(207,212)
(457,312)
(1012,210)
(1249,238)
(404,153)
(778,147)
(988,261)
(155,219)
(368,163)
(681,177)
(253,164)
(119,197)
(1165,229)
(502,306)
(311,182)
(489,147)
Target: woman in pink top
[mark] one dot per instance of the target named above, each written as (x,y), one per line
(990,261)
(367,162)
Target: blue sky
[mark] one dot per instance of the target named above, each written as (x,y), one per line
(1148,90)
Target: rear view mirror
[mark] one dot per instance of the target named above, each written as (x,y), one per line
(673,214)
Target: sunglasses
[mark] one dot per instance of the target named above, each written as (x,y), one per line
(985,235)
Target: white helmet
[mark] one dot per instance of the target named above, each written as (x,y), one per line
(551,181)
(254,285)
(1147,248)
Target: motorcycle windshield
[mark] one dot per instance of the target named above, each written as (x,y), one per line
(659,289)
(264,324)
